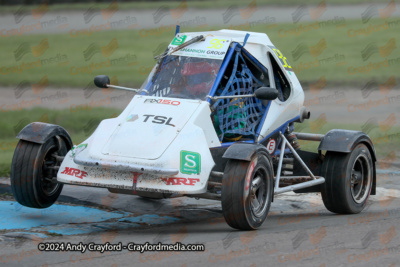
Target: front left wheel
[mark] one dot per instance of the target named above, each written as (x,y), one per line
(247,189)
(33,170)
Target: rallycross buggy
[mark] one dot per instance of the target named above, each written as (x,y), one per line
(214,119)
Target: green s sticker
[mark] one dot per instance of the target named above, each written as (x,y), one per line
(190,162)
(178,40)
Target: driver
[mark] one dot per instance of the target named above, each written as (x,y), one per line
(178,88)
(196,79)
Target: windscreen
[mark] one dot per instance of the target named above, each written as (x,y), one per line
(189,71)
(183,77)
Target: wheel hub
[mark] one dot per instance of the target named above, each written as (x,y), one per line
(258,194)
(49,170)
(360,181)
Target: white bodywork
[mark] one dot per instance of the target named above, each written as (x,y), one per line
(137,142)
(130,152)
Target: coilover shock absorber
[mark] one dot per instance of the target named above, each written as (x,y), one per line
(292,138)
(288,162)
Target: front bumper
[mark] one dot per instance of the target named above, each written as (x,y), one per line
(115,166)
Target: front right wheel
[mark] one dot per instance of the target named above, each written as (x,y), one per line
(247,189)
(348,180)
(34,170)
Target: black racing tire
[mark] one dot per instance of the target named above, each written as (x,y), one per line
(348,180)
(32,172)
(247,190)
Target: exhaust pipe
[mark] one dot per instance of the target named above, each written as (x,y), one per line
(304,114)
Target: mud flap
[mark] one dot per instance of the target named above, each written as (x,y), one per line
(339,140)
(40,132)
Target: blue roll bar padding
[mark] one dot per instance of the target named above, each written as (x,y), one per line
(245,38)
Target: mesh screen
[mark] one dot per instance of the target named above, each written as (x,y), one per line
(239,116)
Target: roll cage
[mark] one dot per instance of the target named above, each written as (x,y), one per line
(239,73)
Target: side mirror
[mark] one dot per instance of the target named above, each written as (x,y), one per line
(266,93)
(102,81)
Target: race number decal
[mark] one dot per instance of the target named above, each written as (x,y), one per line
(216,43)
(282,58)
(271,146)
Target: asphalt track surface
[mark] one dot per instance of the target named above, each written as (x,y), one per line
(299,231)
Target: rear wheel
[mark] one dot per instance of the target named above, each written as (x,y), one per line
(33,169)
(348,180)
(247,189)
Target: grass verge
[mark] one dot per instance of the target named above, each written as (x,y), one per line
(336,52)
